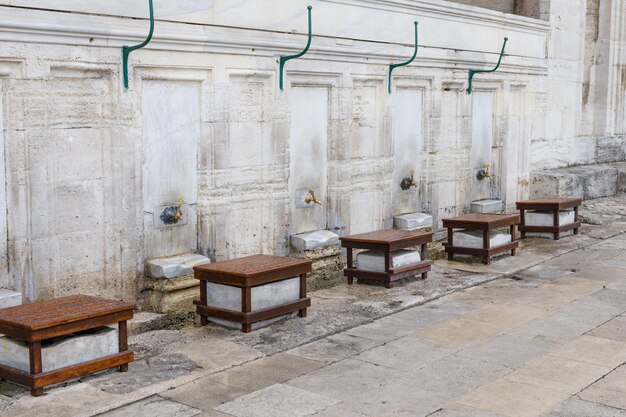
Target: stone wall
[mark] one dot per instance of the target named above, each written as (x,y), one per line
(88,163)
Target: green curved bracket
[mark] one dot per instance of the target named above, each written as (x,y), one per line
(394,66)
(126,50)
(473,72)
(284,59)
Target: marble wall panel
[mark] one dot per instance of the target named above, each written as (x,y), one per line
(407,142)
(4,255)
(308,157)
(171,132)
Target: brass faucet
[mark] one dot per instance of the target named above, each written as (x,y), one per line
(408,182)
(484,173)
(173,214)
(310,198)
(179,213)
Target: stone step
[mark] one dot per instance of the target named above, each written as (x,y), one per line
(10,298)
(486,206)
(171,286)
(313,240)
(621,179)
(175,266)
(586,181)
(413,221)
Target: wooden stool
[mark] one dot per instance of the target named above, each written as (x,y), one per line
(486,223)
(387,241)
(555,205)
(44,320)
(245,274)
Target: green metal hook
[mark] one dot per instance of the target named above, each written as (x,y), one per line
(284,59)
(473,72)
(394,66)
(126,50)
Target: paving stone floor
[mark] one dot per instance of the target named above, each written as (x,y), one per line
(540,334)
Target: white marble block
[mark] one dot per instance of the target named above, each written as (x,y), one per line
(486,206)
(374,260)
(10,298)
(413,220)
(63,351)
(312,240)
(263,296)
(474,239)
(175,266)
(546,218)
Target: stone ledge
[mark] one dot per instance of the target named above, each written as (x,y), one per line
(586,181)
(10,298)
(413,221)
(621,180)
(487,206)
(174,266)
(313,240)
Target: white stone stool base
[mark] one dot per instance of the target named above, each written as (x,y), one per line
(474,239)
(63,351)
(546,218)
(373,260)
(265,296)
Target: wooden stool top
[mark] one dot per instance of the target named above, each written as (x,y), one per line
(549,203)
(252,270)
(386,239)
(46,319)
(479,221)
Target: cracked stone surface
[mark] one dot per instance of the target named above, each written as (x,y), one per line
(141,373)
(539,334)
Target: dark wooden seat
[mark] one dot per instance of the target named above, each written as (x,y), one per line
(486,223)
(387,241)
(43,320)
(555,205)
(246,273)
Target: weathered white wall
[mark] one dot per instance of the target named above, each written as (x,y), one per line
(4,254)
(87,161)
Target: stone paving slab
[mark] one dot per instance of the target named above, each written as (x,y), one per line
(510,350)
(407,353)
(277,401)
(204,394)
(266,371)
(612,329)
(456,410)
(610,390)
(558,374)
(334,348)
(460,332)
(456,375)
(579,408)
(514,399)
(154,407)
(608,397)
(595,350)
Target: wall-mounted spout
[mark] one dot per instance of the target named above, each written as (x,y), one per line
(473,72)
(310,198)
(283,59)
(126,50)
(484,173)
(408,182)
(173,214)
